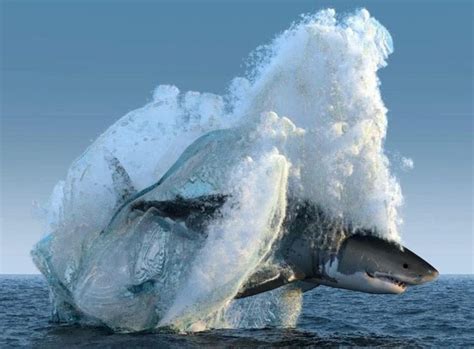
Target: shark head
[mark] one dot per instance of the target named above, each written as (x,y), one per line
(370,264)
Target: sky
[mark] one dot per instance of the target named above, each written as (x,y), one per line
(70,69)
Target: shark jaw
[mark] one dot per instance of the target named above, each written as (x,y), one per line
(362,281)
(381,281)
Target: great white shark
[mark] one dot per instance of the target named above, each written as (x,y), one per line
(129,273)
(315,249)
(353,259)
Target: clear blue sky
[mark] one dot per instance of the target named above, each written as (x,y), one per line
(70,69)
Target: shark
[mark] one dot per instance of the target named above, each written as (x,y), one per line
(129,272)
(315,248)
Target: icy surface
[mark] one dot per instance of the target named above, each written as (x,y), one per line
(307,121)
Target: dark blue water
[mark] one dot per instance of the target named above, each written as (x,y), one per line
(438,314)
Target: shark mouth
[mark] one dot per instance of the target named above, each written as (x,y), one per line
(388,278)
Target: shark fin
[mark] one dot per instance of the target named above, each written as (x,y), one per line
(268,278)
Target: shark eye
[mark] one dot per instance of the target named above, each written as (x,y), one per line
(405,265)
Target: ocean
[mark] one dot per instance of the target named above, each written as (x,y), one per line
(437,314)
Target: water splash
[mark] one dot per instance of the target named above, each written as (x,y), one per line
(315,125)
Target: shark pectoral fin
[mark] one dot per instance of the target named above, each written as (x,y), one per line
(305,286)
(267,279)
(260,288)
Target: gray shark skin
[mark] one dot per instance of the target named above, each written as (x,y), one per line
(330,252)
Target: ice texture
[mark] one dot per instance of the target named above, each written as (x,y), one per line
(307,120)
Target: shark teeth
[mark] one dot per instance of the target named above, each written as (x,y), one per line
(389,279)
(395,281)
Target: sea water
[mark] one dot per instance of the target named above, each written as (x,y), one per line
(437,314)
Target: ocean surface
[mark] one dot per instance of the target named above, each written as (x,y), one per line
(438,314)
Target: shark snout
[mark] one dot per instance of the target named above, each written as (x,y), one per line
(430,275)
(425,276)
(425,272)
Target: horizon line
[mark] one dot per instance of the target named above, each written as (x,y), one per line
(441,274)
